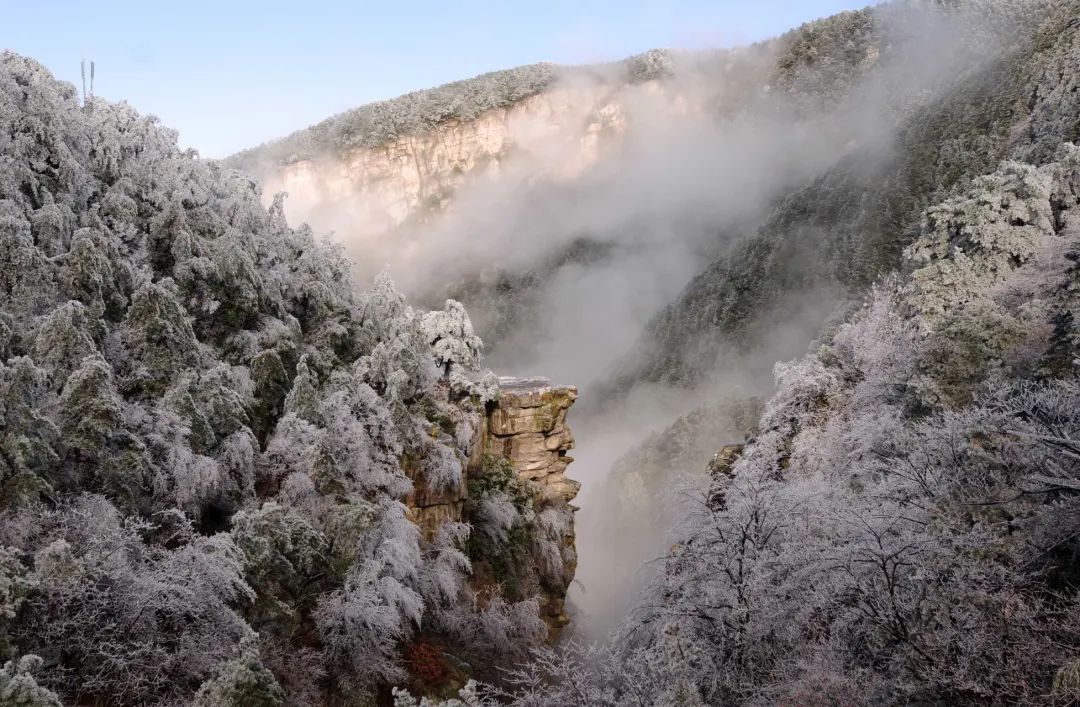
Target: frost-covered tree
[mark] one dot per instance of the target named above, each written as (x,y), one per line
(451,336)
(18,687)
(118,617)
(241,682)
(30,437)
(378,606)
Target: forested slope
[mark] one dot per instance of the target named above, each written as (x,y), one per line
(203,431)
(850,224)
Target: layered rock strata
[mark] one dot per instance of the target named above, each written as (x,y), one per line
(526,425)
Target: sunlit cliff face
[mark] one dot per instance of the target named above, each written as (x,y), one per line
(553,136)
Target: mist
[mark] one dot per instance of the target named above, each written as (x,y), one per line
(597,233)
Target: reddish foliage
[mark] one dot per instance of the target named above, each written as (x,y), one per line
(426,662)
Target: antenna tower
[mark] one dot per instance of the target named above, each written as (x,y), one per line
(82,68)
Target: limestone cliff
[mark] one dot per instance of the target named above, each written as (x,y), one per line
(552,135)
(525,427)
(528,428)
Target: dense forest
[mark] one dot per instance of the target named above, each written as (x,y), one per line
(850,224)
(206,433)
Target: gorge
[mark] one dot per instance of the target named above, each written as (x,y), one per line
(272,431)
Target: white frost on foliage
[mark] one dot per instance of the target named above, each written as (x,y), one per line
(897,529)
(451,336)
(176,361)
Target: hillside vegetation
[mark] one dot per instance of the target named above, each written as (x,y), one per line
(209,434)
(901,527)
(204,435)
(850,225)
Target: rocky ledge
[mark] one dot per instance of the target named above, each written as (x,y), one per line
(526,426)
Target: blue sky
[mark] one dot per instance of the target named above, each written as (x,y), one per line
(230,74)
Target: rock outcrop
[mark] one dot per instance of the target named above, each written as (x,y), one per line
(722,471)
(526,426)
(429,508)
(384,186)
(724,460)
